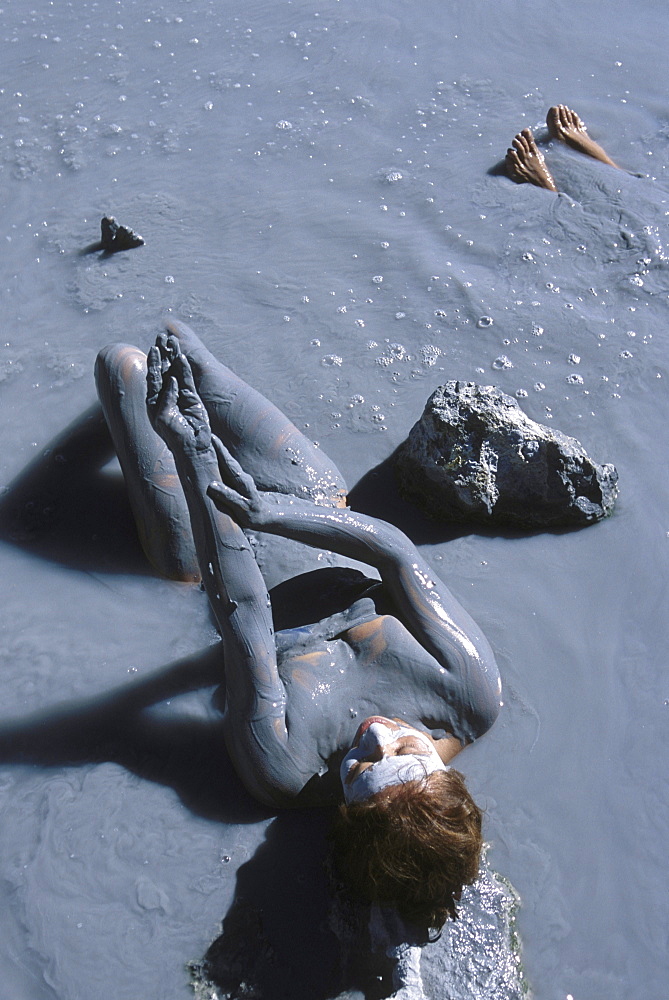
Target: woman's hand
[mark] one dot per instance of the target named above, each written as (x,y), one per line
(238,496)
(175,410)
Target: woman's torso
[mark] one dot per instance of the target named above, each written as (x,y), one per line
(341,670)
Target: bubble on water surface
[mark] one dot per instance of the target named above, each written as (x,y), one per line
(484,322)
(378,279)
(331,360)
(574,359)
(430,354)
(574,379)
(284,125)
(393,352)
(538,386)
(399,351)
(626,354)
(502,362)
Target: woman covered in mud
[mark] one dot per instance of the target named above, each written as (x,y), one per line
(219,480)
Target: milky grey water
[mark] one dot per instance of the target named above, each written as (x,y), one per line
(312,184)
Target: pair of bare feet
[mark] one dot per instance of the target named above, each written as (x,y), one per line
(525,163)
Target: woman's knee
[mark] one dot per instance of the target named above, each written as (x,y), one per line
(117,366)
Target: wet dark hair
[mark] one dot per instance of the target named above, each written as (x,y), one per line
(412,846)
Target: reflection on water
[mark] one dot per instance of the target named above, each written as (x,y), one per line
(477,957)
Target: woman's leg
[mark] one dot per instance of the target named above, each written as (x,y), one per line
(155,493)
(266,443)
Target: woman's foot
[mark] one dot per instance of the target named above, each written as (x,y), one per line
(566,126)
(525,164)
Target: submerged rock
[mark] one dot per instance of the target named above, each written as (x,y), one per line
(475,456)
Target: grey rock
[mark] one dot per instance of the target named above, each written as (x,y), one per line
(475,456)
(115,237)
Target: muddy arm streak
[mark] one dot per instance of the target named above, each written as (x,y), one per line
(255,720)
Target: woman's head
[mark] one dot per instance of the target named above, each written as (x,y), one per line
(385,753)
(411,844)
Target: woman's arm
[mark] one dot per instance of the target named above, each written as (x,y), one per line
(428,609)
(255,723)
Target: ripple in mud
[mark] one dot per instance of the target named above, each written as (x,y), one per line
(9,367)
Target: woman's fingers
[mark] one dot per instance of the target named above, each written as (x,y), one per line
(190,403)
(223,498)
(154,376)
(230,467)
(162,391)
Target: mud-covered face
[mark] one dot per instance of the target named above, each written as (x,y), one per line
(386,753)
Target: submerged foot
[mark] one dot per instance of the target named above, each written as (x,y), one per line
(525,164)
(566,126)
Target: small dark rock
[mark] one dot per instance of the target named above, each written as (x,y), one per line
(475,456)
(116,238)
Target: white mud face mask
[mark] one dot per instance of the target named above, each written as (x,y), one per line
(395,769)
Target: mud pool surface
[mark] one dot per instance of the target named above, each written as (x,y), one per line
(312,182)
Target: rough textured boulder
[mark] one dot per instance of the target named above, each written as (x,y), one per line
(115,237)
(475,456)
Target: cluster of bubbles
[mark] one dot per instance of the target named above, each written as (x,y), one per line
(502,363)
(392,353)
